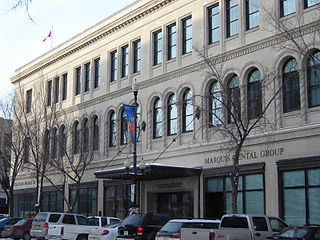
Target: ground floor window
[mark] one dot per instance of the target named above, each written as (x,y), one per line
(87,201)
(52,201)
(24,204)
(178,204)
(117,200)
(300,195)
(218,197)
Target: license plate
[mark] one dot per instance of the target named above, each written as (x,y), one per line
(125,233)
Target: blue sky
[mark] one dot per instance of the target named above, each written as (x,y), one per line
(21,39)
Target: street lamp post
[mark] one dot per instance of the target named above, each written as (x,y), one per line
(135,88)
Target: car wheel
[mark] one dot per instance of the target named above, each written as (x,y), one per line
(26,236)
(82,237)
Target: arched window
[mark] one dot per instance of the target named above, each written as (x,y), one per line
(112,130)
(157,119)
(254,95)
(215,104)
(187,111)
(234,106)
(95,133)
(76,137)
(291,88)
(314,79)
(124,128)
(172,115)
(54,149)
(63,141)
(85,135)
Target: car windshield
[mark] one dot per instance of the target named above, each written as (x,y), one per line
(295,233)
(171,227)
(21,222)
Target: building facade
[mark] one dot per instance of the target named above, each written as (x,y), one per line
(157,44)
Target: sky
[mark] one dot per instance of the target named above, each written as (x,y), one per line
(21,40)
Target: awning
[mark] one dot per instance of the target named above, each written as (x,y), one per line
(151,172)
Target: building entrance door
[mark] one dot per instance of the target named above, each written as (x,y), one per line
(214,205)
(178,204)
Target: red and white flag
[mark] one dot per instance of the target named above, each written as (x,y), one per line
(49,35)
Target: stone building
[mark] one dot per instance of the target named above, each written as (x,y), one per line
(187,160)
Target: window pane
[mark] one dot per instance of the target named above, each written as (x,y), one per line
(293,179)
(254,182)
(254,202)
(229,203)
(294,206)
(314,205)
(288,6)
(215,185)
(314,177)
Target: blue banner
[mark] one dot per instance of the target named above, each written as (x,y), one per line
(130,118)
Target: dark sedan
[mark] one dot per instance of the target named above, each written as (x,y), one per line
(300,233)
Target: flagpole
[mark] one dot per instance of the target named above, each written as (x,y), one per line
(51,35)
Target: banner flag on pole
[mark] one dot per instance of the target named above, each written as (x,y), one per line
(49,35)
(130,118)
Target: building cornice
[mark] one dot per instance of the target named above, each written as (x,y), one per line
(92,38)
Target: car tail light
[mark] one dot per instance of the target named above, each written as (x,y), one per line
(105,232)
(212,236)
(140,231)
(62,231)
(157,235)
(46,225)
(176,235)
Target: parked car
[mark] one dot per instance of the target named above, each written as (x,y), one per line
(142,226)
(8,222)
(108,232)
(102,221)
(21,229)
(247,226)
(172,229)
(299,233)
(68,225)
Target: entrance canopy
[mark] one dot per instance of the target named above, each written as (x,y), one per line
(151,172)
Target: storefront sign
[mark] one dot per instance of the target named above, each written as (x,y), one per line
(264,153)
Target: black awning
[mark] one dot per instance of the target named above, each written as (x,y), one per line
(151,172)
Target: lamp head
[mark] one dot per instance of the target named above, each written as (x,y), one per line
(135,86)
(127,164)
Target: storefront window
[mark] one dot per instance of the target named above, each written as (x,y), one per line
(250,199)
(117,200)
(178,204)
(52,201)
(87,201)
(301,198)
(24,204)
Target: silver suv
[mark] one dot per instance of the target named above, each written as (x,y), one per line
(44,220)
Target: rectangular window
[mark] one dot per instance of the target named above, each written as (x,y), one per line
(78,81)
(28,100)
(56,89)
(300,196)
(250,195)
(136,56)
(64,86)
(87,77)
(172,41)
(252,13)
(187,35)
(52,201)
(157,47)
(287,7)
(124,61)
(87,201)
(24,204)
(310,3)
(232,17)
(114,66)
(49,92)
(96,72)
(214,24)
(117,200)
